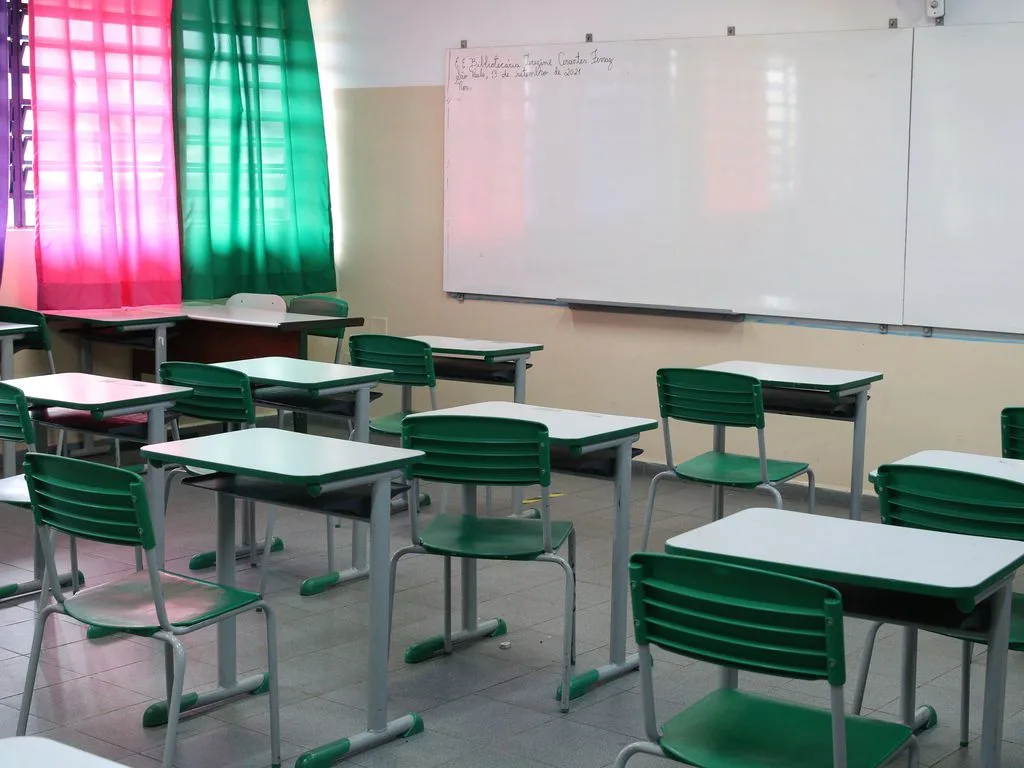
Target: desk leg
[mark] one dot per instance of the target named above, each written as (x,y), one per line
(472,628)
(8,591)
(519,396)
(718,491)
(6,373)
(995,677)
(919,718)
(159,349)
(227,674)
(619,663)
(860,431)
(156,432)
(379,730)
(358,570)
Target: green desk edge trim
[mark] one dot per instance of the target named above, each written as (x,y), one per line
(312,482)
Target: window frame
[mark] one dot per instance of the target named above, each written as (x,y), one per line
(20,165)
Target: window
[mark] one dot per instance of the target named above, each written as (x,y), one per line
(21,200)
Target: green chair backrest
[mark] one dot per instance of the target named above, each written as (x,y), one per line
(1012,424)
(325,306)
(478,450)
(710,397)
(412,361)
(738,617)
(37,339)
(89,500)
(950,501)
(218,394)
(15,421)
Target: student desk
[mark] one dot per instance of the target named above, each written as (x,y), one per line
(481,361)
(819,393)
(321,379)
(29,751)
(580,432)
(921,579)
(102,397)
(305,472)
(10,333)
(993,466)
(240,331)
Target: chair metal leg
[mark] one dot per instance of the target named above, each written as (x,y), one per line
(138,559)
(774,492)
(448,604)
(265,555)
(568,631)
(61,438)
(275,703)
(572,566)
(392,582)
(913,753)
(637,748)
(174,706)
(865,666)
(73,553)
(33,665)
(649,515)
(810,491)
(965,692)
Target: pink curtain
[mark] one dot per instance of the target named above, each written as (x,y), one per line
(106,196)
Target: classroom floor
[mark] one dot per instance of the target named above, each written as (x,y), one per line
(485,706)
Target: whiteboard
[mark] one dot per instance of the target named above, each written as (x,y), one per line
(966,199)
(758,174)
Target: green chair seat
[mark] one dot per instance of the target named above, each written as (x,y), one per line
(127,605)
(390,424)
(736,470)
(490,538)
(734,729)
(14,490)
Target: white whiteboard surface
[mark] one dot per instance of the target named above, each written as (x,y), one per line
(761,174)
(966,202)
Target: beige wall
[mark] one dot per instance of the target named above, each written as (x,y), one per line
(936,393)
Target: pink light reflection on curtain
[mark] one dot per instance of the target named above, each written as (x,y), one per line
(106,199)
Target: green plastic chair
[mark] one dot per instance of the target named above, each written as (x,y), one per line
(16,426)
(750,620)
(326,306)
(1012,428)
(108,505)
(950,501)
(412,362)
(478,451)
(38,339)
(287,400)
(224,396)
(722,400)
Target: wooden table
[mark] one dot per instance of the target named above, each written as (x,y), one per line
(210,333)
(921,579)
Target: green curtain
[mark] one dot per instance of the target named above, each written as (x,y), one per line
(251,149)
